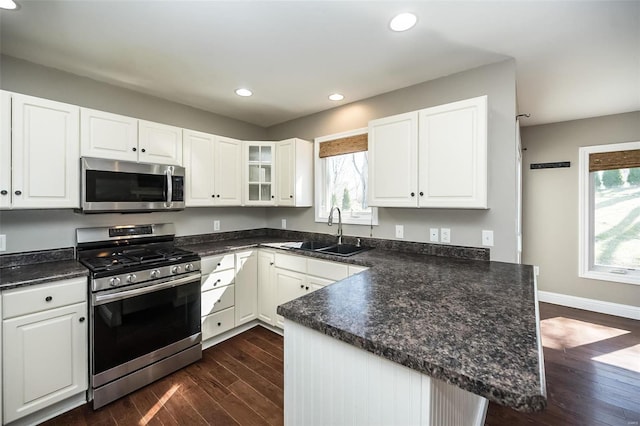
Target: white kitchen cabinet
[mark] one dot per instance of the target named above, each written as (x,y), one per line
(213,170)
(106,135)
(289,285)
(246,286)
(5,149)
(435,157)
(44,350)
(159,143)
(316,283)
(218,323)
(453,155)
(218,294)
(45,151)
(393,161)
(294,171)
(266,287)
(260,173)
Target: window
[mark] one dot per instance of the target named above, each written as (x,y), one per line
(610,212)
(341,178)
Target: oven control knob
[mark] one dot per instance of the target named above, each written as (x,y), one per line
(114,281)
(176,269)
(131,278)
(188,267)
(155,273)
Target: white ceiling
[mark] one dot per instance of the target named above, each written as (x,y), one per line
(575,59)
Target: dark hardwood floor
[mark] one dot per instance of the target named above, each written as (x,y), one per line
(592,364)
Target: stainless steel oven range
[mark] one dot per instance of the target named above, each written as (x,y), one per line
(145,306)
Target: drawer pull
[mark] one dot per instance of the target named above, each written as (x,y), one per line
(301,285)
(219,324)
(219,300)
(306,288)
(81,319)
(218,263)
(48,299)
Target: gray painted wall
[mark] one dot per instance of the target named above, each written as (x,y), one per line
(498,81)
(550,203)
(28,78)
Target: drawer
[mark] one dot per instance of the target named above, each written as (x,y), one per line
(217,299)
(355,269)
(293,263)
(218,279)
(217,323)
(37,298)
(329,270)
(211,264)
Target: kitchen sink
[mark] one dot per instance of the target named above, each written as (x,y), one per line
(344,249)
(311,245)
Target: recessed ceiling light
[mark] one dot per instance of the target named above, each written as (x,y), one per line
(243,92)
(336,97)
(403,21)
(8,4)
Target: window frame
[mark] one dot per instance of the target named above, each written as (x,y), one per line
(320,179)
(586,266)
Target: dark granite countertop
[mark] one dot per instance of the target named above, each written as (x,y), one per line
(37,273)
(469,323)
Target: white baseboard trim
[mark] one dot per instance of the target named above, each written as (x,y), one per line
(617,309)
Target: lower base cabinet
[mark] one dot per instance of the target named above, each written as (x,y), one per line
(44,351)
(218,323)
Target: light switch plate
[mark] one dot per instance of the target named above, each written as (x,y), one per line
(399,231)
(445,235)
(487,238)
(3,242)
(284,223)
(216,225)
(433,235)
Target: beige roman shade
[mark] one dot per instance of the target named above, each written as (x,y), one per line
(614,160)
(346,145)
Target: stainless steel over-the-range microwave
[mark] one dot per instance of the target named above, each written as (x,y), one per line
(123,186)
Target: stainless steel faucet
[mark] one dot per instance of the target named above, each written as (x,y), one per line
(330,222)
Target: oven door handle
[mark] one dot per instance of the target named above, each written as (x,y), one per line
(101,299)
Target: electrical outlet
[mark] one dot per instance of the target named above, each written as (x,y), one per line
(433,235)
(445,235)
(399,231)
(216,225)
(284,223)
(3,242)
(487,238)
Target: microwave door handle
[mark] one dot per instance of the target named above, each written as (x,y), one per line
(169,186)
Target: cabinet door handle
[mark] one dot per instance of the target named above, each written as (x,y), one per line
(306,288)
(413,194)
(214,196)
(218,301)
(421,194)
(81,319)
(271,263)
(4,192)
(134,149)
(218,264)
(290,196)
(48,299)
(301,285)
(18,192)
(273,196)
(219,324)
(143,150)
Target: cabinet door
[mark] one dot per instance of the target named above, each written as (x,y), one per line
(228,172)
(246,287)
(199,168)
(106,135)
(5,149)
(44,359)
(289,285)
(45,153)
(159,143)
(316,283)
(453,155)
(393,163)
(260,173)
(266,287)
(285,157)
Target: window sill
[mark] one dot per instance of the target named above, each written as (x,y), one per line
(349,221)
(631,277)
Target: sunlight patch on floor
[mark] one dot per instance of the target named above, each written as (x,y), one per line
(158,405)
(627,358)
(564,333)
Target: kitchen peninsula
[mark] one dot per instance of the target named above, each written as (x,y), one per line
(387,344)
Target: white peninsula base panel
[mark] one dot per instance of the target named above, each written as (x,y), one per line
(327,381)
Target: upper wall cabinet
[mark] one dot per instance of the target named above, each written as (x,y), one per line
(44,148)
(117,137)
(294,169)
(213,170)
(259,158)
(435,157)
(5,149)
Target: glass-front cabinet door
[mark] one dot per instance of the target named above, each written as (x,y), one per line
(260,180)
